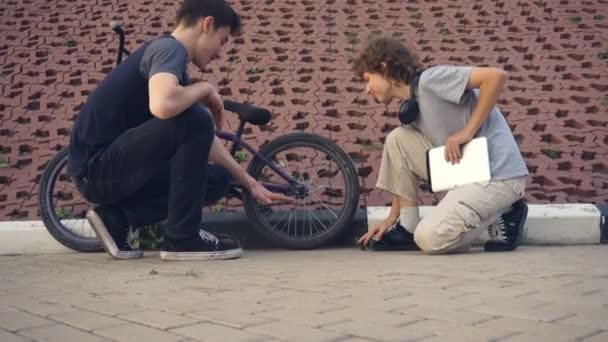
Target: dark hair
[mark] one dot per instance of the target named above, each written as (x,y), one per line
(223,15)
(402,63)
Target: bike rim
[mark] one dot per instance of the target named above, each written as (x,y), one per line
(319,210)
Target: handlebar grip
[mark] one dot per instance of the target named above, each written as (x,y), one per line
(116,27)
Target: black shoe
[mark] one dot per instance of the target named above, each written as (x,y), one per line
(508,229)
(396,238)
(113,230)
(204,247)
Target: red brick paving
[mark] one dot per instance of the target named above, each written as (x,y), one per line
(293,59)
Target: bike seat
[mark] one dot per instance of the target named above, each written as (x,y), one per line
(248,113)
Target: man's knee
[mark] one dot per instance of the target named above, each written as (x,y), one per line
(195,122)
(403,141)
(397,136)
(436,239)
(426,240)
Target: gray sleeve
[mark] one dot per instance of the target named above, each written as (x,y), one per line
(446,82)
(164,55)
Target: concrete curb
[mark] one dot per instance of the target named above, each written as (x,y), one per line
(553,224)
(603,208)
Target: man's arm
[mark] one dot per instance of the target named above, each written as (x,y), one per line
(378,229)
(168,98)
(490,82)
(219,155)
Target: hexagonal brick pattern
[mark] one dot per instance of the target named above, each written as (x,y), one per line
(293,58)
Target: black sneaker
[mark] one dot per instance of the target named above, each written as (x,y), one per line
(204,247)
(113,230)
(396,238)
(507,231)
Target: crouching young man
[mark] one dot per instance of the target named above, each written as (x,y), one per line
(141,146)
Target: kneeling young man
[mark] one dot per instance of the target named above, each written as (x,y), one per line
(456,104)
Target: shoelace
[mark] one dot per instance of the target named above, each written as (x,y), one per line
(206,236)
(132,238)
(497,230)
(392,227)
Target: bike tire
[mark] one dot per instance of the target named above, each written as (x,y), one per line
(48,212)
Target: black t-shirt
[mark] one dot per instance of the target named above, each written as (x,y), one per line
(121,100)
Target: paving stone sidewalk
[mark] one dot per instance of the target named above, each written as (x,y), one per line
(534,294)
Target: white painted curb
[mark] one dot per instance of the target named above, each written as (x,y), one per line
(553,224)
(28,237)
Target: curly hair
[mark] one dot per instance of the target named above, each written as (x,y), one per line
(402,62)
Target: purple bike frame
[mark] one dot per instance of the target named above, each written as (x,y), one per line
(283,188)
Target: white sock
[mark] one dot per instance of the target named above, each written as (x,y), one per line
(409,218)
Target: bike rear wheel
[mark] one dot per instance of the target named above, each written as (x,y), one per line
(63,209)
(322,212)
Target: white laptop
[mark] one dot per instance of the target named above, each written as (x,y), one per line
(474,166)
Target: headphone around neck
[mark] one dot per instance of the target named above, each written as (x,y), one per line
(409,110)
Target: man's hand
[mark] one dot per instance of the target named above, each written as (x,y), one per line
(375,232)
(214,102)
(264,196)
(452,146)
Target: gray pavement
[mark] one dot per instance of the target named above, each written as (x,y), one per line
(534,294)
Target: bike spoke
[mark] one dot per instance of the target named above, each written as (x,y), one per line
(315,173)
(282,219)
(325,205)
(318,219)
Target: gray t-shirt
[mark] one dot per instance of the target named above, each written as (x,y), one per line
(165,54)
(445,108)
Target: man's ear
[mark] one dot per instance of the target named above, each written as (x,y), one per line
(384,70)
(384,73)
(206,24)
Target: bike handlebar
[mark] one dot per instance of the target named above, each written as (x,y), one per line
(121,41)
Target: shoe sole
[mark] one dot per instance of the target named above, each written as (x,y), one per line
(399,247)
(412,247)
(106,239)
(194,256)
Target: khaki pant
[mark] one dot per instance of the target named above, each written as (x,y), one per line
(462,215)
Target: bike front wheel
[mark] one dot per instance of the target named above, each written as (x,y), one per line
(328,196)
